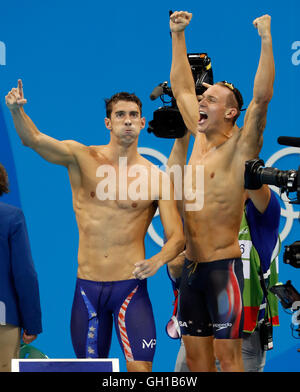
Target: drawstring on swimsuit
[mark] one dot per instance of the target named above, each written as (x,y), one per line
(193,265)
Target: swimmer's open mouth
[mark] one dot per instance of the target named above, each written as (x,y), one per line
(203,117)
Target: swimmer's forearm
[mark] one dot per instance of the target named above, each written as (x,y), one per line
(181,75)
(146,268)
(182,83)
(172,248)
(264,79)
(25,127)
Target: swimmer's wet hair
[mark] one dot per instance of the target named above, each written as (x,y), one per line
(3,180)
(123,96)
(237,99)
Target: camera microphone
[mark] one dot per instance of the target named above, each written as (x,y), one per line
(289,141)
(158,91)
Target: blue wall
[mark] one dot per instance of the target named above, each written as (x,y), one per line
(73,54)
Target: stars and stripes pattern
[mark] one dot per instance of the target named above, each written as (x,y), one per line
(122,326)
(92,335)
(235,302)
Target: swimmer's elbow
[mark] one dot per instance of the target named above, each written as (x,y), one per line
(31,142)
(24,143)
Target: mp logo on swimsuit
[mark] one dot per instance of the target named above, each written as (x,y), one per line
(149,344)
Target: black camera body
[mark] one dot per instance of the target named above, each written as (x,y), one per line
(292,254)
(202,72)
(286,293)
(289,299)
(287,180)
(167,121)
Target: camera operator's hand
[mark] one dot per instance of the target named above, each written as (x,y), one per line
(263,25)
(179,20)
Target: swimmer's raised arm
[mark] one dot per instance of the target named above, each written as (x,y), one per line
(54,151)
(256,115)
(182,81)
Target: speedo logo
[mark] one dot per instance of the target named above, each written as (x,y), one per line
(222,326)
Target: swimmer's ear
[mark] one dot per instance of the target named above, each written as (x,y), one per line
(107,122)
(143,122)
(230,113)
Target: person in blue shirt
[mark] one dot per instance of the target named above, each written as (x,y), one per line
(20,308)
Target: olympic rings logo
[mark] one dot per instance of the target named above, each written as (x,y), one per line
(288,212)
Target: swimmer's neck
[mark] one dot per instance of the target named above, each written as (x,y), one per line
(210,140)
(121,150)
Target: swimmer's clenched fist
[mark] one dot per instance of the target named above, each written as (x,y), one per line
(179,20)
(263,25)
(146,268)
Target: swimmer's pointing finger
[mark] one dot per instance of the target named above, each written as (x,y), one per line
(20,88)
(21,100)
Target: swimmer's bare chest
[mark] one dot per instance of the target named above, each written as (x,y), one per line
(104,190)
(212,230)
(113,212)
